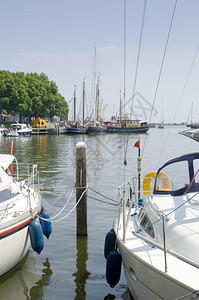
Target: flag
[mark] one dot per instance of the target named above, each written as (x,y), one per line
(137,144)
(10,152)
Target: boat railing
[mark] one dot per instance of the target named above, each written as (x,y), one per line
(126,198)
(166,250)
(28,176)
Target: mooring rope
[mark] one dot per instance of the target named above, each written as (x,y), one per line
(68,214)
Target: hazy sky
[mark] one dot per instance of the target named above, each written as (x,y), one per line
(59,38)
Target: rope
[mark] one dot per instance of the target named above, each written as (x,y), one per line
(68,214)
(101,194)
(52,219)
(114,204)
(62,207)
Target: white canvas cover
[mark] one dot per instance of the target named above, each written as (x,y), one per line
(6,160)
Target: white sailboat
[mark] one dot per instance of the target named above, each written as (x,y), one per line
(20,207)
(156,230)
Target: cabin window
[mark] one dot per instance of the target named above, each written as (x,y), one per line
(145,224)
(196,168)
(173,177)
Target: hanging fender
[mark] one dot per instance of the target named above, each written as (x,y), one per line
(151,175)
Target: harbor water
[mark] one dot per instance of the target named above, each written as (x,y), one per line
(71,267)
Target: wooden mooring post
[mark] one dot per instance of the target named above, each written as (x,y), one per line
(81,189)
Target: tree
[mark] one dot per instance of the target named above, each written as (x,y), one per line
(30,94)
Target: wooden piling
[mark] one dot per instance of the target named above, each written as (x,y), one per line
(81,192)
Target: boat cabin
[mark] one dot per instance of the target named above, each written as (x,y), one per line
(178,176)
(39,123)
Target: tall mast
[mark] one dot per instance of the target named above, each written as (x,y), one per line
(120,114)
(97,101)
(75,104)
(83,100)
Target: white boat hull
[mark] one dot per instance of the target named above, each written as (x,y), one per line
(12,249)
(20,205)
(146,282)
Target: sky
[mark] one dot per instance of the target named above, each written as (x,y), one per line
(59,38)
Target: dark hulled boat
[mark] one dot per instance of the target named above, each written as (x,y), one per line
(127,126)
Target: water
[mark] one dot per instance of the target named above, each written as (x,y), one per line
(71,268)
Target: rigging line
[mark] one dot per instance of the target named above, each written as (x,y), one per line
(101,194)
(161,67)
(180,99)
(136,70)
(138,55)
(124,78)
(124,57)
(114,204)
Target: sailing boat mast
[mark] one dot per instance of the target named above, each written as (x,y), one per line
(120,114)
(83,117)
(97,102)
(93,91)
(74,104)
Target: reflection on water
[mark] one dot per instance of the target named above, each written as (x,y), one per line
(37,291)
(16,284)
(23,282)
(82,274)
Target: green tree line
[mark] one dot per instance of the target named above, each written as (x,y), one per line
(30,95)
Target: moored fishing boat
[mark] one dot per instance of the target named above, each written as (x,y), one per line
(20,208)
(78,127)
(97,128)
(127,126)
(76,130)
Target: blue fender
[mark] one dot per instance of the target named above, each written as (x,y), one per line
(36,236)
(109,244)
(113,268)
(46,225)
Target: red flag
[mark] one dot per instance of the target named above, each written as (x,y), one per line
(137,144)
(10,152)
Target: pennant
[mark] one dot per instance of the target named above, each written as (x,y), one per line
(10,152)
(137,144)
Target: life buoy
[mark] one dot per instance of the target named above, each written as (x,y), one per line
(151,175)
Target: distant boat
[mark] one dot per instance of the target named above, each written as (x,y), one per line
(97,126)
(2,129)
(160,126)
(191,133)
(127,126)
(74,129)
(18,129)
(77,127)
